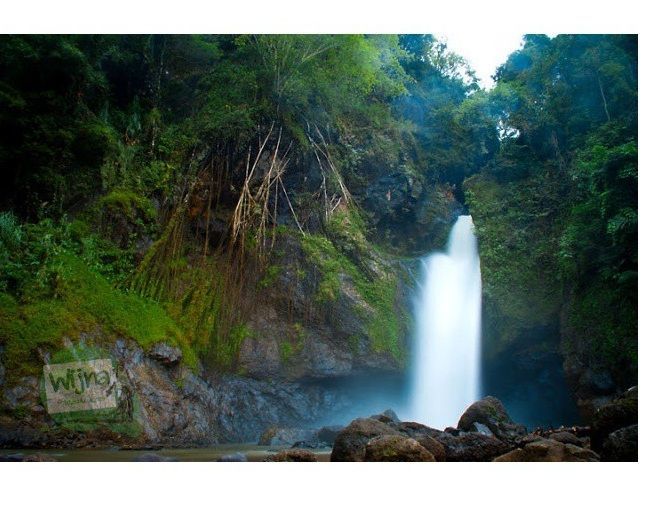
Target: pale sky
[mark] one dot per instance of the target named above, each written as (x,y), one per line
(484,52)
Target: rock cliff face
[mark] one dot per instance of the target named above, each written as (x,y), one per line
(557,345)
(527,373)
(321,324)
(547,373)
(319,315)
(169,404)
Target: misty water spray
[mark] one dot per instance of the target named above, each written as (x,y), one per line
(446,370)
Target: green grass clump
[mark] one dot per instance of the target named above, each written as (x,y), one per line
(286,351)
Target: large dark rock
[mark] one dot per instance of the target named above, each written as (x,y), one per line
(619,413)
(243,408)
(396,448)
(300,333)
(471,446)
(523,365)
(406,212)
(456,445)
(350,443)
(490,413)
(549,450)
(414,429)
(176,407)
(567,437)
(621,445)
(432,446)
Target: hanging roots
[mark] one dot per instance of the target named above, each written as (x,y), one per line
(326,165)
(254,217)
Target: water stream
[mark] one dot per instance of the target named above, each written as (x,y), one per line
(446,371)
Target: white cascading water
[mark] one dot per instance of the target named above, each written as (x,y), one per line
(446,372)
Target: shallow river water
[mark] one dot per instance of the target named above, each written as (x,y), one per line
(252,452)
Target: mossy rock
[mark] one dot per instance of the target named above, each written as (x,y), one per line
(82,302)
(385,320)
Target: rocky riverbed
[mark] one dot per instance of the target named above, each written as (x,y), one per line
(485,432)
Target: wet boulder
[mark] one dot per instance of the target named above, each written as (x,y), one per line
(432,446)
(489,416)
(619,413)
(414,429)
(350,443)
(396,448)
(549,451)
(568,437)
(387,417)
(621,445)
(152,457)
(465,446)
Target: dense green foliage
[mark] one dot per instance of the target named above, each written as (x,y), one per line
(59,288)
(136,192)
(556,207)
(98,130)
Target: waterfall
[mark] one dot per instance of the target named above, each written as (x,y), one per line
(446,370)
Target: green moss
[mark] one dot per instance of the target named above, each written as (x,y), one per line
(608,322)
(385,328)
(82,301)
(516,237)
(228,351)
(270,276)
(286,351)
(347,228)
(282,229)
(292,347)
(322,253)
(26,329)
(385,324)
(21,412)
(129,203)
(131,429)
(195,303)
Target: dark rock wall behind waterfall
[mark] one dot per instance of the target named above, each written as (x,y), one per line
(528,376)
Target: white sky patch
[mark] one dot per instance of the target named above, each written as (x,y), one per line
(484,51)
